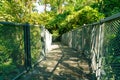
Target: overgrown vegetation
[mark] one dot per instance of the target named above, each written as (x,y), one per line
(11,51)
(111,49)
(64,16)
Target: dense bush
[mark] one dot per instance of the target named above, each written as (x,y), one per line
(112,49)
(11,50)
(12,55)
(86,15)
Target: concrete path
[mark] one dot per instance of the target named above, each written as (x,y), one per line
(62,63)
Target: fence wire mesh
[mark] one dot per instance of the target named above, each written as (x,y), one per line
(20,48)
(39,48)
(100,43)
(11,51)
(35,43)
(112,49)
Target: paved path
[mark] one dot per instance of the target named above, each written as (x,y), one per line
(62,63)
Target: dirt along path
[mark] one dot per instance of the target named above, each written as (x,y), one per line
(62,63)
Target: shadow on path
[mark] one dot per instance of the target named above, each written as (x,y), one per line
(62,63)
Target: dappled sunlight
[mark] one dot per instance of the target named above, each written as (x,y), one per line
(85,36)
(61,63)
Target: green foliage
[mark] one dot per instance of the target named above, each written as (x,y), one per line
(59,20)
(11,37)
(6,69)
(89,15)
(112,58)
(107,7)
(11,50)
(18,11)
(11,11)
(86,15)
(70,19)
(35,43)
(12,54)
(111,7)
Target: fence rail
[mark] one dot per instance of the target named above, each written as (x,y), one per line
(20,48)
(100,43)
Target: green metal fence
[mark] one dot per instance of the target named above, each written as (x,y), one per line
(100,42)
(20,48)
(12,57)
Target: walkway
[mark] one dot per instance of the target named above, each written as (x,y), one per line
(62,63)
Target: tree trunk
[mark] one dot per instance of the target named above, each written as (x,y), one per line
(45,5)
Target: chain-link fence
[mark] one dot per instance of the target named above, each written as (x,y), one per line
(20,48)
(100,43)
(12,57)
(111,48)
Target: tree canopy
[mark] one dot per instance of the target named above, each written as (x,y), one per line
(64,15)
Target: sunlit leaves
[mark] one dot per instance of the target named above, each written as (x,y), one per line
(108,7)
(86,15)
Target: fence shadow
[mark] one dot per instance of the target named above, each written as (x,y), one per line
(70,66)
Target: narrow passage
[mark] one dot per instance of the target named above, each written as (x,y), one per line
(62,63)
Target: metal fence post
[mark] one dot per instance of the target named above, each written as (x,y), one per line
(27,46)
(83,38)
